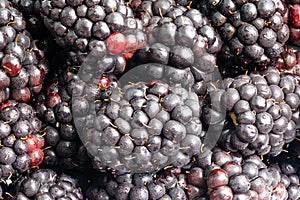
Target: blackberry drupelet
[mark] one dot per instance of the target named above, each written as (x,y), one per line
(46,184)
(260,112)
(23,63)
(253,32)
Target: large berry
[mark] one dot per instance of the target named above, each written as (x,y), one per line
(177,35)
(262,110)
(254,32)
(82,27)
(142,126)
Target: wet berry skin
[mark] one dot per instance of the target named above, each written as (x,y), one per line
(12,65)
(36,157)
(218,177)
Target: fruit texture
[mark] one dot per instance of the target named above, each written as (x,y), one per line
(84,26)
(234,176)
(142,126)
(170,183)
(46,184)
(294,21)
(23,63)
(178,36)
(22,140)
(63,146)
(289,60)
(254,32)
(262,109)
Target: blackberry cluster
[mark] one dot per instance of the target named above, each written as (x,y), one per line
(143,125)
(83,26)
(21,140)
(44,184)
(63,146)
(294,21)
(23,63)
(233,176)
(179,36)
(171,183)
(254,32)
(263,111)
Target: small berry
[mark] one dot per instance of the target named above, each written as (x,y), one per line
(116,43)
(36,157)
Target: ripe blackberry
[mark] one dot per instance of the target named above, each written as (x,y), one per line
(137,127)
(177,35)
(170,183)
(21,139)
(23,63)
(81,27)
(289,60)
(63,146)
(260,109)
(254,32)
(294,22)
(234,176)
(46,184)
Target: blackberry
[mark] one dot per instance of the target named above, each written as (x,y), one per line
(21,139)
(137,127)
(46,184)
(23,62)
(253,33)
(170,183)
(293,20)
(178,35)
(233,176)
(82,27)
(64,150)
(260,108)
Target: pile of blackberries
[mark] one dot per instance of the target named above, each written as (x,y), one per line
(149,99)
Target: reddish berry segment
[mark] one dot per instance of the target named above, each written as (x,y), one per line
(5,104)
(131,44)
(53,99)
(40,141)
(104,81)
(127,55)
(295,15)
(31,142)
(12,65)
(21,95)
(36,157)
(116,43)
